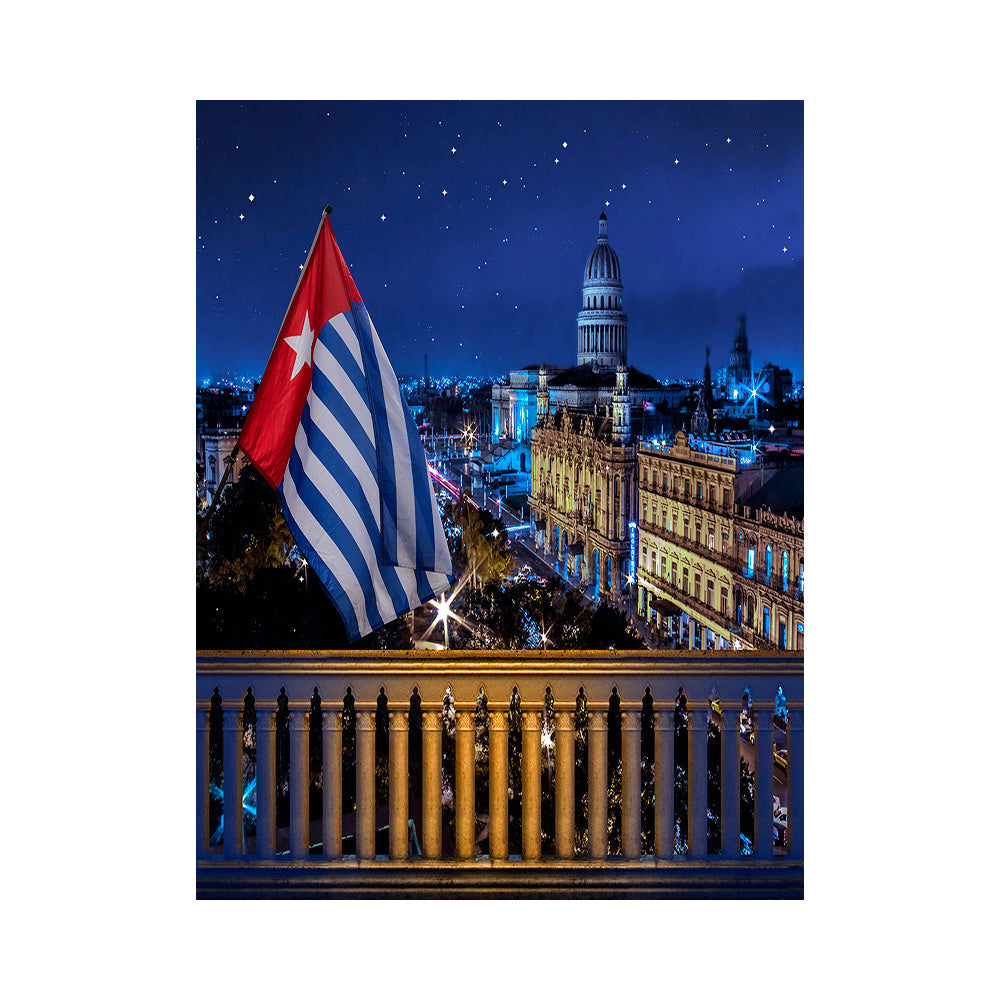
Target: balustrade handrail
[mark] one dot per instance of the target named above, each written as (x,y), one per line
(717,617)
(689,498)
(773,581)
(630,671)
(729,560)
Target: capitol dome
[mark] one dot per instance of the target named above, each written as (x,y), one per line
(602,266)
(602,326)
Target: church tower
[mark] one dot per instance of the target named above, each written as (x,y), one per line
(543,394)
(738,376)
(602,326)
(621,408)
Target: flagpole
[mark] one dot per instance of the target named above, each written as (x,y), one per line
(304,268)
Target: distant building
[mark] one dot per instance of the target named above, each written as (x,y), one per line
(220,415)
(602,347)
(583,490)
(739,377)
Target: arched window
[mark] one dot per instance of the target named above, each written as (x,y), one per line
(580,766)
(647,787)
(482,770)
(680,773)
(249,767)
(614,773)
(548,746)
(714,776)
(514,761)
(747,796)
(448,762)
(314,809)
(349,786)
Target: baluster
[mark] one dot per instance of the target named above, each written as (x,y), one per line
(399,791)
(298,778)
(631,782)
(232,782)
(465,785)
(365,815)
(531,787)
(565,792)
(597,784)
(432,782)
(663,769)
(498,785)
(333,789)
(267,745)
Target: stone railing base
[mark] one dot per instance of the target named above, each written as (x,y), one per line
(485,879)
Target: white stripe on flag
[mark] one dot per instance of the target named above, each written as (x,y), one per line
(349,337)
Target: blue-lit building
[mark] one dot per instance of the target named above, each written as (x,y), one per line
(601,348)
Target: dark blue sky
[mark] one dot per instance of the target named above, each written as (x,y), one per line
(486,276)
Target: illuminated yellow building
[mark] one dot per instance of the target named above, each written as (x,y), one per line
(716,569)
(583,493)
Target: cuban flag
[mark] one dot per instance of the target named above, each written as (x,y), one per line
(329,429)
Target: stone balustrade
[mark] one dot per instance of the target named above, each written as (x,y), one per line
(678,857)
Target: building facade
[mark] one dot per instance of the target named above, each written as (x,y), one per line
(583,490)
(713,572)
(770,590)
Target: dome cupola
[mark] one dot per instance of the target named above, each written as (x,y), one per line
(602,326)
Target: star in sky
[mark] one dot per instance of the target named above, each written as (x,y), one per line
(663,311)
(302,345)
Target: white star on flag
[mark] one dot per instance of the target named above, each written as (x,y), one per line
(302,345)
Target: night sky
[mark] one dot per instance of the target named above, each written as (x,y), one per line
(467,226)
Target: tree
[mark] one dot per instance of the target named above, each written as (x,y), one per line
(483,548)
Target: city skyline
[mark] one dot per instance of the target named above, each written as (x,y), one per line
(467,226)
